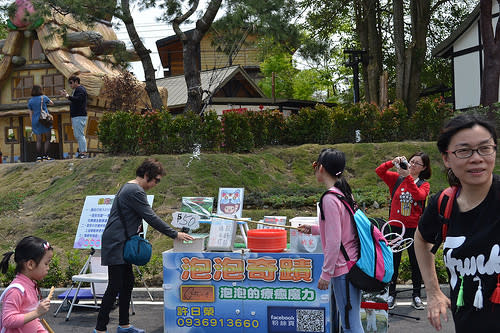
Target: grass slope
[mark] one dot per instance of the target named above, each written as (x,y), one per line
(46,199)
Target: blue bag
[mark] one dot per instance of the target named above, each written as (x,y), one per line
(373,270)
(137,250)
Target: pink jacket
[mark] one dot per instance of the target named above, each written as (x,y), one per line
(337,222)
(16,303)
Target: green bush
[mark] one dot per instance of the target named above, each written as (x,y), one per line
(237,131)
(366,119)
(75,263)
(393,123)
(343,126)
(155,132)
(188,128)
(427,121)
(56,276)
(118,132)
(158,132)
(310,126)
(276,126)
(6,278)
(211,131)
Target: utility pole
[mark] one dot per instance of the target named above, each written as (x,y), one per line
(355,57)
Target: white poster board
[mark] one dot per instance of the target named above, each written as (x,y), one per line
(222,235)
(230,203)
(93,220)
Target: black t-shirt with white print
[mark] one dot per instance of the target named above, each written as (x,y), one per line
(472,254)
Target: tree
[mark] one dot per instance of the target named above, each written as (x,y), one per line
(410,57)
(491,49)
(280,66)
(143,53)
(190,42)
(271,21)
(326,70)
(383,28)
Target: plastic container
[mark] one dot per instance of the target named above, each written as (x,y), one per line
(304,243)
(266,240)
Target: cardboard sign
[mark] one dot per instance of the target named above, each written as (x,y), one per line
(198,205)
(222,235)
(230,202)
(188,220)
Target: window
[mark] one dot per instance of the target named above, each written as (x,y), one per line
(36,50)
(21,87)
(11,135)
(52,84)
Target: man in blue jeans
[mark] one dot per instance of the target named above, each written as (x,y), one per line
(78,113)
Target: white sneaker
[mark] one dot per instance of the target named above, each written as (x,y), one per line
(417,303)
(391,302)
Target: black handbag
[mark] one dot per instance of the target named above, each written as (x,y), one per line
(137,250)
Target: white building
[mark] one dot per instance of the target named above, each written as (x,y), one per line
(465,48)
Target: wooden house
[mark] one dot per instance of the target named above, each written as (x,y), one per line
(211,57)
(40,55)
(465,49)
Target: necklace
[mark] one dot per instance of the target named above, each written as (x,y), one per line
(465,205)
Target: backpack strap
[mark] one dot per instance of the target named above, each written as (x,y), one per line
(11,286)
(349,209)
(396,185)
(445,206)
(342,198)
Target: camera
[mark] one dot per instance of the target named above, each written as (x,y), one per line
(403,165)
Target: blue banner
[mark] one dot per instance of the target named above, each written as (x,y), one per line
(249,292)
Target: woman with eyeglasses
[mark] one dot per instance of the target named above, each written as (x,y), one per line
(471,247)
(336,230)
(409,191)
(131,203)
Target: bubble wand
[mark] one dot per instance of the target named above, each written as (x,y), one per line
(200,211)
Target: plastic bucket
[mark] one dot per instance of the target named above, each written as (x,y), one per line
(266,240)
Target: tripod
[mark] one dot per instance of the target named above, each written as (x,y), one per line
(391,313)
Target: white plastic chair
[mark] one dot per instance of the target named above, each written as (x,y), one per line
(98,279)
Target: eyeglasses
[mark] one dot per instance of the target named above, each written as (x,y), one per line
(157,180)
(468,152)
(416,163)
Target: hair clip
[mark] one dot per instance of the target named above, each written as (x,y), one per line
(338,173)
(46,246)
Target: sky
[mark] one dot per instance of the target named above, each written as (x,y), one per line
(150,31)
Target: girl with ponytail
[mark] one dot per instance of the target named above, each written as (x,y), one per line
(335,227)
(21,302)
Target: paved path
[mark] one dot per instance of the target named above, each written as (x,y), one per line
(149,316)
(398,323)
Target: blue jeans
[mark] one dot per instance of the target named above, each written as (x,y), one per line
(339,289)
(78,131)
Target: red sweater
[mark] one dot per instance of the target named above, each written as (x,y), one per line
(404,205)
